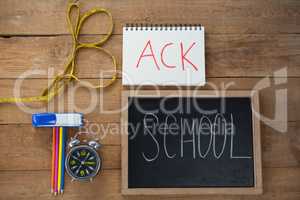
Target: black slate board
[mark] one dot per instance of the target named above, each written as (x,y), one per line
(182,166)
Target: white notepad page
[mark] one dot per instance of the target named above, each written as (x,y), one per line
(163,55)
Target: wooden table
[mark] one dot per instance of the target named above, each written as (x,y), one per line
(245,42)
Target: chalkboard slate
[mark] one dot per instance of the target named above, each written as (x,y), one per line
(190,142)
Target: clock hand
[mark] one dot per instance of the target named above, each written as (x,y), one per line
(76,158)
(86,157)
(91,158)
(78,169)
(76,166)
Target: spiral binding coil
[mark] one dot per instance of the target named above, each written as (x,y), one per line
(162,27)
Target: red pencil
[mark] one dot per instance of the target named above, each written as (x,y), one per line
(53,160)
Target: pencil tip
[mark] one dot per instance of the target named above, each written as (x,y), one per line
(62,191)
(55,193)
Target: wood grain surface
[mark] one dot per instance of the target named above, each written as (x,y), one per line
(247,42)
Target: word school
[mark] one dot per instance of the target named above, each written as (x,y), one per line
(190,132)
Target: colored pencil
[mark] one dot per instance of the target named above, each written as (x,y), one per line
(53,160)
(56,159)
(63,159)
(59,159)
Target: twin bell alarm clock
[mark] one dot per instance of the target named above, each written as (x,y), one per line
(83,161)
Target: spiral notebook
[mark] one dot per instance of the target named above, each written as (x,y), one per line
(163,55)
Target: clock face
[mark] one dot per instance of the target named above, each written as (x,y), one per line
(83,162)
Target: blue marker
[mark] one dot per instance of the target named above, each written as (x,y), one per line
(57,120)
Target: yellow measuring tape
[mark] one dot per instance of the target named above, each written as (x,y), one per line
(69,74)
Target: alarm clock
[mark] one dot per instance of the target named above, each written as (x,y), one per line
(83,162)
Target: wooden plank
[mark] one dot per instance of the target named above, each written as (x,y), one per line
(275,143)
(103,106)
(279,184)
(229,55)
(29,148)
(92,103)
(23,144)
(46,18)
(50,54)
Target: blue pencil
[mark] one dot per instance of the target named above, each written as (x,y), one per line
(63,159)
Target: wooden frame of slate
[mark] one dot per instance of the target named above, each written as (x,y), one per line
(255,188)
